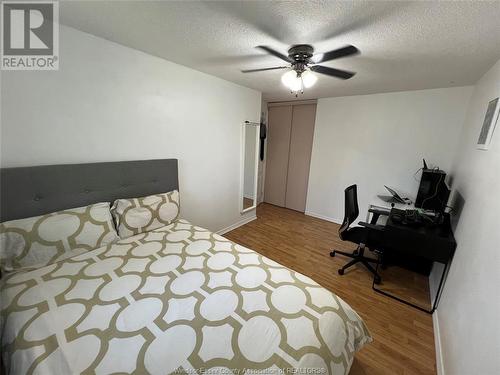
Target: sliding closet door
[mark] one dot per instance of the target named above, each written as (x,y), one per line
(278,144)
(303,118)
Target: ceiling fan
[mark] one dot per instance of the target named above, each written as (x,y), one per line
(303,63)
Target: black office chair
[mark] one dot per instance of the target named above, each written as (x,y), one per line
(367,235)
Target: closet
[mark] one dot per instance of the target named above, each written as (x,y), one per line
(289,145)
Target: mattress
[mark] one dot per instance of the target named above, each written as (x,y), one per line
(179,299)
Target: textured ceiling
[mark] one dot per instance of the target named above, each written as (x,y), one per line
(404,45)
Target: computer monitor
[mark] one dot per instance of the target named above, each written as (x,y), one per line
(433,193)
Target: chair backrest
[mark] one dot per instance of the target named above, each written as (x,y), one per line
(351,210)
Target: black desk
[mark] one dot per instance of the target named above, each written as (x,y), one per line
(432,242)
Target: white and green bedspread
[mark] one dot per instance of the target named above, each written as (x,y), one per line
(177,299)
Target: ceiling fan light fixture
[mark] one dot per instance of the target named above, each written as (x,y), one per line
(296,85)
(309,78)
(293,81)
(304,64)
(289,78)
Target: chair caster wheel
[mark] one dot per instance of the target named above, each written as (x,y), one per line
(332,253)
(341,271)
(377,280)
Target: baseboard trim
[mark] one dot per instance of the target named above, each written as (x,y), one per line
(323,217)
(437,343)
(236,225)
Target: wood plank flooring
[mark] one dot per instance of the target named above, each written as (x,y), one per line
(403,336)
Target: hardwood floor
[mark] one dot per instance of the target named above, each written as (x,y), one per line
(403,336)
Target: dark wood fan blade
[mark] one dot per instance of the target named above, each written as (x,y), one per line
(275,53)
(338,53)
(342,74)
(264,69)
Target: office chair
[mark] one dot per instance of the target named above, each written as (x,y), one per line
(367,235)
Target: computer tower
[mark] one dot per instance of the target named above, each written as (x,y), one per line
(433,193)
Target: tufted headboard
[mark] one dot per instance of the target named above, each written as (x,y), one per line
(33,191)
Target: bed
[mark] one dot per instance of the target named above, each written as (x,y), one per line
(178,299)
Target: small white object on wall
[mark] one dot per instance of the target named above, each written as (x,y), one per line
(489,123)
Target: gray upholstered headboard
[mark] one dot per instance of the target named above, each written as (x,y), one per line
(32,191)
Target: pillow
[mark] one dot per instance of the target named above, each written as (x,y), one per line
(138,215)
(41,240)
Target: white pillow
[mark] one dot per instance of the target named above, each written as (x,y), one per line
(41,240)
(138,215)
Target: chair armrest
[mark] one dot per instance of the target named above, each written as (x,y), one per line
(379,212)
(371,226)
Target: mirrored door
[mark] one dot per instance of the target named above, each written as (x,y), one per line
(250,145)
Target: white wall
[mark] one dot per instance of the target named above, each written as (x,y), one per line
(377,140)
(108,102)
(469,310)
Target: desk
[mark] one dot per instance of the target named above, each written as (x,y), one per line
(433,242)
